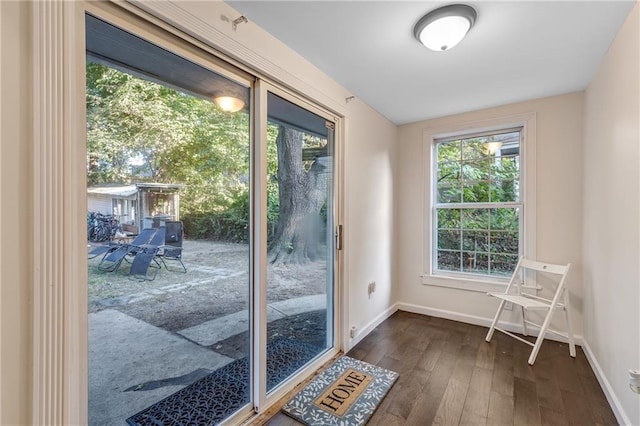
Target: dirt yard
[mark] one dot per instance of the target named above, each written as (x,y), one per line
(216,284)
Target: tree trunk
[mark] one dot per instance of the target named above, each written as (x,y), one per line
(301,195)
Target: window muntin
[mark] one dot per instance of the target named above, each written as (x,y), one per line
(477,204)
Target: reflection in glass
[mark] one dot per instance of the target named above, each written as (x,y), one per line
(475,175)
(300,155)
(171,171)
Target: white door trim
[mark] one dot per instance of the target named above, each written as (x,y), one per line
(59,387)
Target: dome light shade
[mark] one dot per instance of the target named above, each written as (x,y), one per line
(493,146)
(229,103)
(443,28)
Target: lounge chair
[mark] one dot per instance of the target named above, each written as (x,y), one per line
(112,261)
(145,255)
(142,238)
(142,267)
(102,250)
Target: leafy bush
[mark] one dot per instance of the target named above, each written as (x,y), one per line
(230,225)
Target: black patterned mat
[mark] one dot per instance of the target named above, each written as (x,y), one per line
(213,398)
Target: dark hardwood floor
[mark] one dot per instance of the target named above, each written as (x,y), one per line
(450,375)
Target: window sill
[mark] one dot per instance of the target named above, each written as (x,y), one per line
(464,283)
(472,284)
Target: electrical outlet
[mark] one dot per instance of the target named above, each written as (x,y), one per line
(634,380)
(508,306)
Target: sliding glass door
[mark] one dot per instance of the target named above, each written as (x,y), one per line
(211,231)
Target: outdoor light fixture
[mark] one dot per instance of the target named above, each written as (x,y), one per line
(443,28)
(229,103)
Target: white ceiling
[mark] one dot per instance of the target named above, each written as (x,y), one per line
(517,50)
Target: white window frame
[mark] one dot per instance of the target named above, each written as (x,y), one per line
(527,193)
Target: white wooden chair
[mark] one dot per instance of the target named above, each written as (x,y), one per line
(531,302)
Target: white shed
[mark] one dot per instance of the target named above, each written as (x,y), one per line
(141,205)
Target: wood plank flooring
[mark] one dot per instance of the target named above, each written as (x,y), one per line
(450,375)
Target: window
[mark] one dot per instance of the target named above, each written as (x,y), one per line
(477,203)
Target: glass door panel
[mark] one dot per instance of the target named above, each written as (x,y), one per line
(300,225)
(168,189)
(190,298)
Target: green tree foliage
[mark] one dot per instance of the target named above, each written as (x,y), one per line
(141,131)
(481,240)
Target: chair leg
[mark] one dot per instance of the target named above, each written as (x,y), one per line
(495,321)
(540,339)
(567,315)
(524,322)
(184,268)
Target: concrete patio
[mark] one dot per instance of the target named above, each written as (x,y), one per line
(133,364)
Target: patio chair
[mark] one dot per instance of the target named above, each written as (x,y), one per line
(146,255)
(142,267)
(142,238)
(102,250)
(112,261)
(172,249)
(545,273)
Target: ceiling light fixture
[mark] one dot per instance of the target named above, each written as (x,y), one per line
(229,103)
(493,146)
(443,28)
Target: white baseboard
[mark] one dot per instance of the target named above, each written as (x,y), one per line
(614,402)
(364,331)
(481,321)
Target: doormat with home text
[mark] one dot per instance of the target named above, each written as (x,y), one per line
(346,393)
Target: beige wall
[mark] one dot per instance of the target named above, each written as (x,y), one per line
(370,199)
(558,207)
(611,233)
(15,235)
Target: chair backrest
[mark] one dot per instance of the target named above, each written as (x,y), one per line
(174,233)
(545,267)
(173,239)
(143,237)
(158,238)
